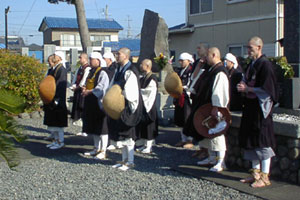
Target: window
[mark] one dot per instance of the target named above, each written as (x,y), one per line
(206,6)
(194,6)
(200,6)
(67,40)
(238,50)
(97,39)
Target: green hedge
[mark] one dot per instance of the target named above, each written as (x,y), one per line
(281,67)
(22,75)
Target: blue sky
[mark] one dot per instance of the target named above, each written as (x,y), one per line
(25,16)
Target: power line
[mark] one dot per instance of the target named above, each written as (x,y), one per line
(26,16)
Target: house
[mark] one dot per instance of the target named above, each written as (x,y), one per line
(228,24)
(15,43)
(64,33)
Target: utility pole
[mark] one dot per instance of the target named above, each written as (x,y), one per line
(6,41)
(129,27)
(106,12)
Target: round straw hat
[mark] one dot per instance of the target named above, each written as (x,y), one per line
(173,84)
(47,89)
(114,102)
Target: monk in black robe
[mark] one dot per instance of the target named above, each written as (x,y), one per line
(56,114)
(94,117)
(235,74)
(256,132)
(147,130)
(182,104)
(124,129)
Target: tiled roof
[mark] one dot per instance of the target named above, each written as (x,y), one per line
(58,22)
(132,44)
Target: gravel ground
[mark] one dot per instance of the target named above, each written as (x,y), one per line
(78,177)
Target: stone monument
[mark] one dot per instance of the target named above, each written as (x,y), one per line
(154,40)
(292,52)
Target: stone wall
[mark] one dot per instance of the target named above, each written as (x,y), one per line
(285,165)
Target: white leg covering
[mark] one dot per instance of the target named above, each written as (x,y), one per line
(97,142)
(221,156)
(130,150)
(149,144)
(52,134)
(212,155)
(104,142)
(56,137)
(61,136)
(124,154)
(265,165)
(255,164)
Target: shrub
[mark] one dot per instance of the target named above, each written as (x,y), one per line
(22,75)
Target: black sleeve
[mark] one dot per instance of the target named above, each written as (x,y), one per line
(61,86)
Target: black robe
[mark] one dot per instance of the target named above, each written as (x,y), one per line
(182,104)
(255,130)
(56,113)
(78,100)
(125,127)
(203,96)
(235,77)
(148,128)
(94,119)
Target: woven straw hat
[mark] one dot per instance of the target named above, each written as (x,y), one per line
(47,89)
(114,102)
(173,85)
(202,114)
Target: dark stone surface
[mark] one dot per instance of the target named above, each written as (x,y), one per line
(294,153)
(291,88)
(284,163)
(292,33)
(282,150)
(154,38)
(294,143)
(295,165)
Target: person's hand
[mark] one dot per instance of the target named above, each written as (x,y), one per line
(242,87)
(86,92)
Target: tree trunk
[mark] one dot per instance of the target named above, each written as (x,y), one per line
(82,24)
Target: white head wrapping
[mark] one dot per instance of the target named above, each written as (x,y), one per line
(61,54)
(186,56)
(98,56)
(110,56)
(232,58)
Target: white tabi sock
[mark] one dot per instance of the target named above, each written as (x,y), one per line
(97,142)
(255,164)
(104,142)
(265,165)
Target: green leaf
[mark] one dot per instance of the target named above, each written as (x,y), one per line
(11,102)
